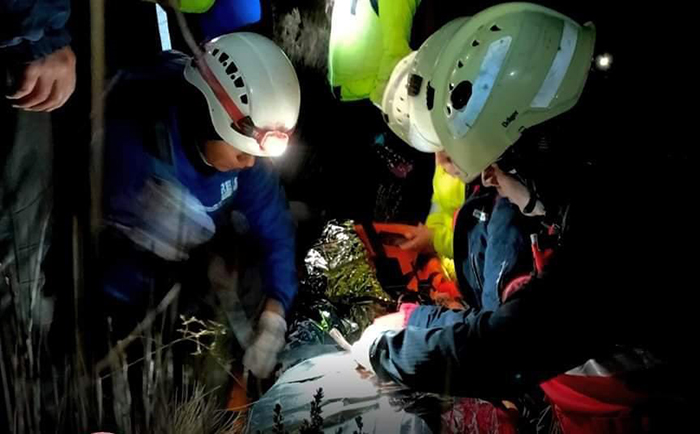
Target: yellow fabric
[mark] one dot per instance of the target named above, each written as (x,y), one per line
(448,267)
(354,49)
(396,20)
(195,6)
(448,197)
(364,47)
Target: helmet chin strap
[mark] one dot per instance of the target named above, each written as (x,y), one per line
(530,207)
(201,155)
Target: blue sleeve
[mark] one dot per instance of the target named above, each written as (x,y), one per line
(127,273)
(434,316)
(508,252)
(539,333)
(159,78)
(127,168)
(262,200)
(129,130)
(32,29)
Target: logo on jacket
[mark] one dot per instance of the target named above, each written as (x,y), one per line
(227,188)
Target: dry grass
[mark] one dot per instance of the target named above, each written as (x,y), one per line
(156,392)
(195,413)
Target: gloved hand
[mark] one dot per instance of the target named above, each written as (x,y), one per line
(261,356)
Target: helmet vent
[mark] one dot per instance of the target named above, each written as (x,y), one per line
(232,69)
(414,84)
(429,96)
(223,58)
(495,28)
(239,82)
(215,52)
(475,43)
(451,86)
(460,64)
(461,95)
(448,110)
(244,99)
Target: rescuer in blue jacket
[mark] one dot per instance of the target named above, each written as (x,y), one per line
(177,167)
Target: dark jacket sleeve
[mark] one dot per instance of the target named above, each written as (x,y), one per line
(32,29)
(485,354)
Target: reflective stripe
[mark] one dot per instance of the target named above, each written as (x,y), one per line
(163,28)
(560,66)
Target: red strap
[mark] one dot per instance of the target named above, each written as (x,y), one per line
(514,286)
(454,218)
(542,257)
(231,108)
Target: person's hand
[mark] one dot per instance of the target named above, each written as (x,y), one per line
(419,238)
(360,349)
(396,320)
(261,356)
(46,83)
(391,322)
(510,188)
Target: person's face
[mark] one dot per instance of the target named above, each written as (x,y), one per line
(224,157)
(507,185)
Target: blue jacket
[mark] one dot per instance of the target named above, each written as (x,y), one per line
(492,247)
(31,29)
(132,130)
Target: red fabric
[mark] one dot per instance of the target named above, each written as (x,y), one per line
(444,292)
(406,309)
(238,396)
(586,404)
(405,258)
(470,415)
(431,272)
(541,257)
(514,286)
(592,395)
(449,288)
